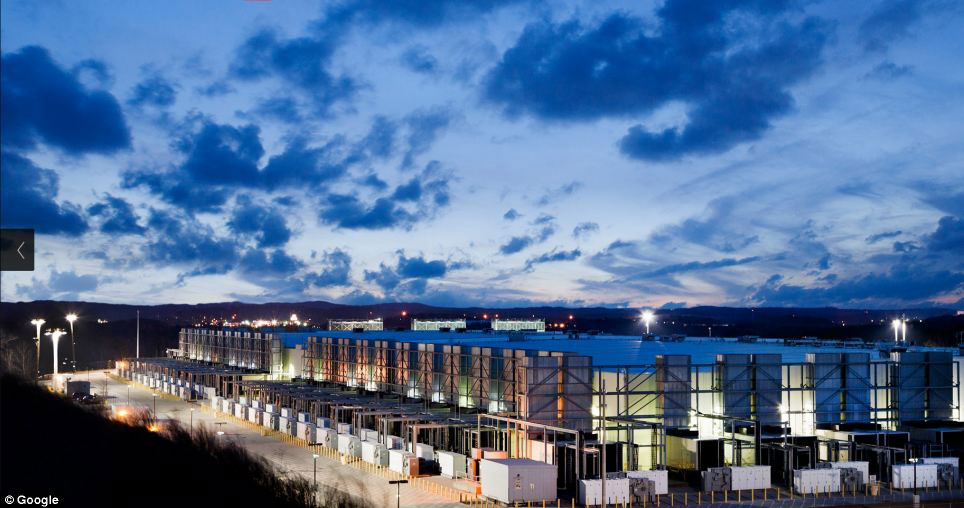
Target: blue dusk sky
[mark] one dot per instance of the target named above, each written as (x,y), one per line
(495,153)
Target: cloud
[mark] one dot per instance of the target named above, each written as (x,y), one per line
(301,62)
(66,285)
(424,127)
(545,227)
(379,143)
(511,215)
(117,216)
(678,268)
(416,200)
(179,240)
(730,63)
(948,237)
(673,305)
(44,103)
(890,21)
(27,199)
(516,244)
(336,270)
(905,246)
(552,257)
(418,59)
(410,274)
(155,90)
(266,225)
(584,229)
(421,14)
(714,229)
(888,71)
(260,264)
(418,267)
(560,192)
(882,236)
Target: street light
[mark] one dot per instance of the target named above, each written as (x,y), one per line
(38,323)
(55,337)
(73,348)
(896,325)
(647,318)
(314,471)
(192,420)
(155,404)
(398,489)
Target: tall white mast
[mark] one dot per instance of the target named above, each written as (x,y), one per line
(138,334)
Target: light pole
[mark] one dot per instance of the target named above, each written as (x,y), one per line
(896,324)
(398,491)
(73,347)
(314,470)
(55,337)
(155,404)
(647,318)
(38,322)
(192,420)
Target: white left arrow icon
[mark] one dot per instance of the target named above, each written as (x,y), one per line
(18,250)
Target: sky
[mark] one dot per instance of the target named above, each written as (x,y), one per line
(495,153)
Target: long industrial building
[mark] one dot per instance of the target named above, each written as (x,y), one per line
(690,406)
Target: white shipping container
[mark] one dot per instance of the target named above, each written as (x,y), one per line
(343,428)
(306,431)
(423,451)
(254,415)
(862,466)
(659,477)
(349,445)
(269,420)
(287,426)
(617,491)
(941,460)
(227,406)
(328,437)
(368,435)
(243,400)
(256,404)
(903,475)
(216,403)
(816,481)
(452,465)
(271,408)
(394,442)
(239,410)
(288,413)
(324,423)
(372,455)
(541,451)
(304,417)
(511,480)
(750,477)
(185,393)
(397,458)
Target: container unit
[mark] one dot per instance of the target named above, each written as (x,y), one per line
(749,477)
(307,432)
(402,462)
(541,451)
(659,477)
(185,393)
(368,435)
(269,420)
(816,481)
(343,428)
(349,445)
(323,423)
(423,451)
(227,406)
(394,442)
(942,460)
(304,417)
(240,411)
(327,437)
(374,453)
(617,492)
(288,413)
(286,426)
(271,408)
(452,465)
(494,454)
(862,467)
(257,404)
(255,416)
(903,475)
(522,480)
(216,403)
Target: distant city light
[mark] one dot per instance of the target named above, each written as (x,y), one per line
(647,317)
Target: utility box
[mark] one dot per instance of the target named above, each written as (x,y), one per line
(374,453)
(288,413)
(269,420)
(307,432)
(328,438)
(323,423)
(452,465)
(349,445)
(862,467)
(522,480)
(368,435)
(423,451)
(343,428)
(659,477)
(394,442)
(304,417)
(254,415)
(749,477)
(240,410)
(617,492)
(904,475)
(816,481)
(402,462)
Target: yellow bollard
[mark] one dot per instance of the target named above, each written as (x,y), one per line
(671,499)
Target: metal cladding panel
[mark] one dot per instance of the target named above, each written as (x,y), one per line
(674,386)
(767,388)
(856,381)
(940,382)
(577,409)
(826,386)
(904,475)
(735,383)
(911,385)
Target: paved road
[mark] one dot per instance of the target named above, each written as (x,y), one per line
(288,458)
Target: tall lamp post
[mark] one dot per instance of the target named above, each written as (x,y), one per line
(38,323)
(73,348)
(398,490)
(896,324)
(55,338)
(647,318)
